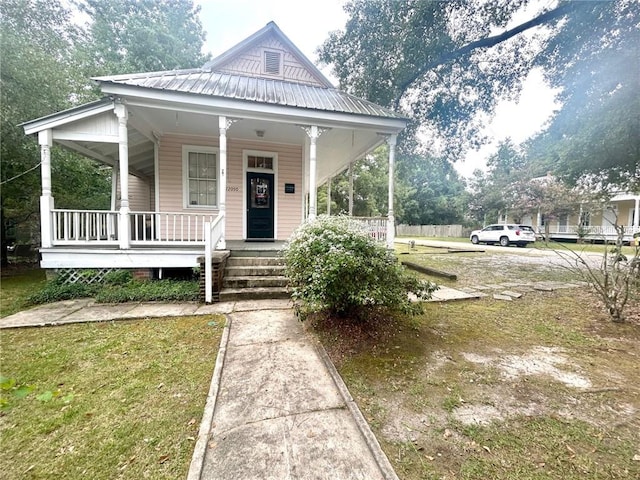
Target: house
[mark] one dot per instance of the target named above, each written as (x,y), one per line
(588,223)
(206,159)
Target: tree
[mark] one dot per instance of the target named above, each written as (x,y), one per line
(435,193)
(38,76)
(442,64)
(596,132)
(144,35)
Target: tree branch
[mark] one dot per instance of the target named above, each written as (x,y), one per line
(560,10)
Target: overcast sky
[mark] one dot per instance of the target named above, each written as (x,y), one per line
(307,23)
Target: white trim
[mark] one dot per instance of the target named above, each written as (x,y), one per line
(84,137)
(63,118)
(186,149)
(61,257)
(274,171)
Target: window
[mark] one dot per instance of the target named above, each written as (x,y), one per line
(255,161)
(200,167)
(272,62)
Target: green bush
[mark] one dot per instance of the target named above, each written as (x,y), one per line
(118,287)
(335,266)
(55,291)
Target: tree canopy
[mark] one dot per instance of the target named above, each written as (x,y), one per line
(443,63)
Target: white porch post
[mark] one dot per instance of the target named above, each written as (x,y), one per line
(329,196)
(313,201)
(351,189)
(222,182)
(45,139)
(124,228)
(391,230)
(636,213)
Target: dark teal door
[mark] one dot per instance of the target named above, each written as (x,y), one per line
(260,206)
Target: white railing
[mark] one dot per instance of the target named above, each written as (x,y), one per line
(594,231)
(84,227)
(376,226)
(169,227)
(213,234)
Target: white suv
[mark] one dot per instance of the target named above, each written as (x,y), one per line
(504,234)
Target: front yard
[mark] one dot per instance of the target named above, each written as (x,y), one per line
(544,386)
(105,400)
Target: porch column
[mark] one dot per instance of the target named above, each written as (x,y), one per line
(391,230)
(124,227)
(222,181)
(351,189)
(636,214)
(313,201)
(329,196)
(45,139)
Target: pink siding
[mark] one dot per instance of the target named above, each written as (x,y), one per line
(139,194)
(289,214)
(249,63)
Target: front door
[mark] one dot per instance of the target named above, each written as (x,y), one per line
(260,209)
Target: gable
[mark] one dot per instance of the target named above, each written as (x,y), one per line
(269,54)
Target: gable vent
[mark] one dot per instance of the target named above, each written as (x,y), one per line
(272,61)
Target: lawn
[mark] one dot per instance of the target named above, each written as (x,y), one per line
(543,387)
(16,284)
(105,400)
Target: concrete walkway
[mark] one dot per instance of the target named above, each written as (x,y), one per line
(276,409)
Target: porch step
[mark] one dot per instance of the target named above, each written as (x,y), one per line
(254,274)
(248,261)
(255,281)
(254,270)
(255,293)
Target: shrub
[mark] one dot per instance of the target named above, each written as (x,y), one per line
(55,291)
(149,291)
(117,277)
(334,265)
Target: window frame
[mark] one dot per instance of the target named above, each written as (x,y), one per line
(186,150)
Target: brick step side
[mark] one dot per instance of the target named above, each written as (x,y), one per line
(255,293)
(261,270)
(255,281)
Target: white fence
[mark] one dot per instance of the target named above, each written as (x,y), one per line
(454,231)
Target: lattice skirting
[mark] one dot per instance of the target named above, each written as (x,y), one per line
(82,275)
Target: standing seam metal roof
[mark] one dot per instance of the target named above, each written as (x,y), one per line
(257,89)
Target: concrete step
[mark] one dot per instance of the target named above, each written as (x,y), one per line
(253,261)
(255,281)
(251,270)
(255,293)
(254,253)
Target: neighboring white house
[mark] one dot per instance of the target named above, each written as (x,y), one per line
(230,152)
(592,224)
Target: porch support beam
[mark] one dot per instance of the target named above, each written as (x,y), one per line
(223,124)
(45,139)
(313,132)
(351,189)
(391,230)
(636,213)
(329,196)
(124,233)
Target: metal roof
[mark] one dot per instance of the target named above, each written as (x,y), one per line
(201,81)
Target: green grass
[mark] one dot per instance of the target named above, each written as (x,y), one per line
(105,400)
(16,287)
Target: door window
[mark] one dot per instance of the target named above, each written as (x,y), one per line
(260,193)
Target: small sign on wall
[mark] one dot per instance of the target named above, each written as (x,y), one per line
(289,188)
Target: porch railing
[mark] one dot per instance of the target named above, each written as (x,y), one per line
(376,226)
(169,227)
(213,234)
(594,231)
(100,227)
(84,227)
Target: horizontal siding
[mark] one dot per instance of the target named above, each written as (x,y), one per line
(289,214)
